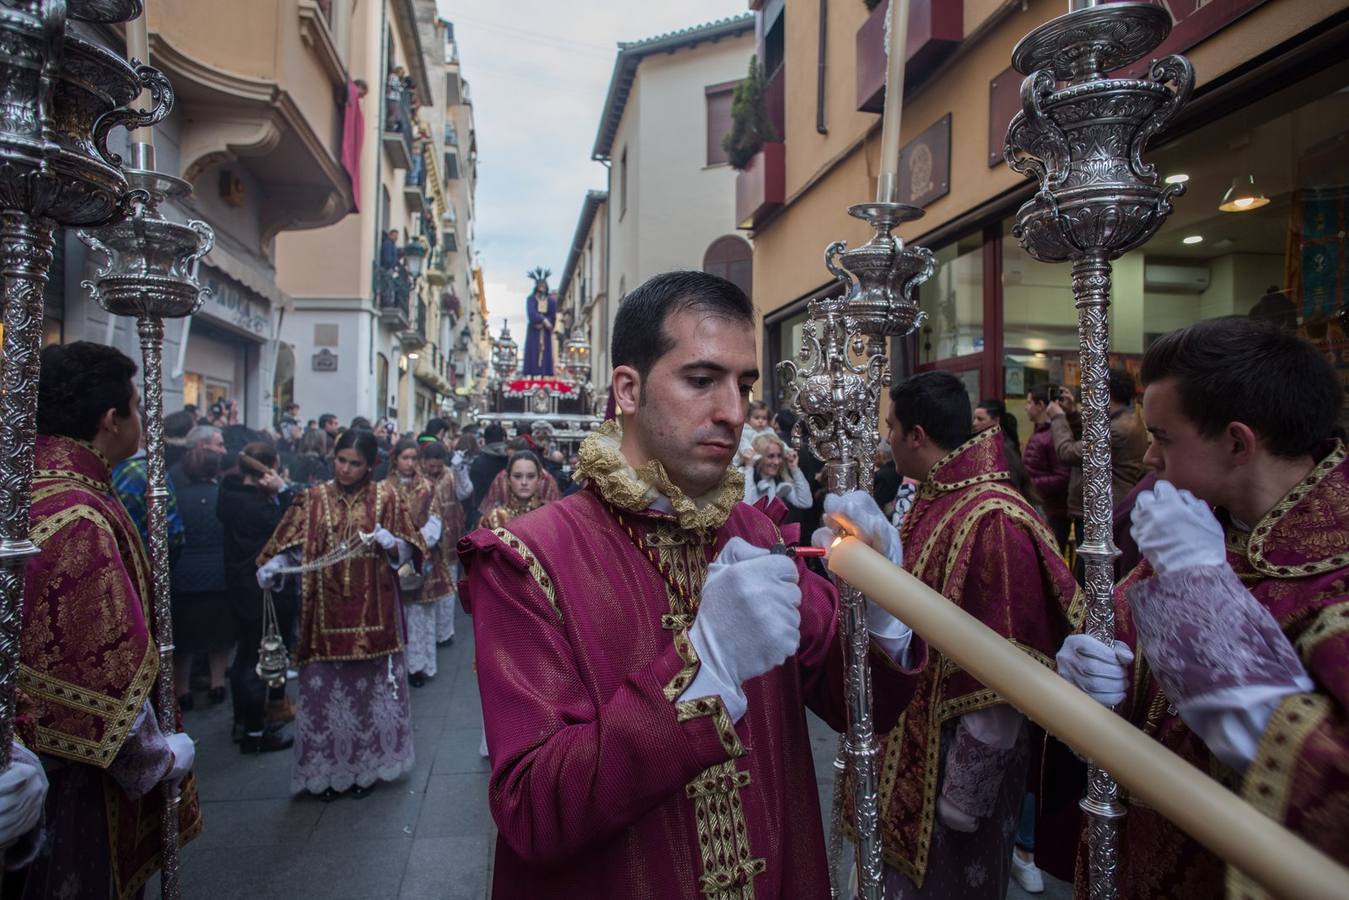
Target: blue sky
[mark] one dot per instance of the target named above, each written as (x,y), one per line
(539,71)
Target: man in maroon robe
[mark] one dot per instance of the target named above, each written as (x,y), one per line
(953,772)
(88,651)
(1233,633)
(644,661)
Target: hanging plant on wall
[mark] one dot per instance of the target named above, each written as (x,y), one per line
(750,125)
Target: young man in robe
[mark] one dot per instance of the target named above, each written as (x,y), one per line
(442,540)
(644,660)
(88,652)
(1232,635)
(953,772)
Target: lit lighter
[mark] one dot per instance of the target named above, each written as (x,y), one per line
(802,550)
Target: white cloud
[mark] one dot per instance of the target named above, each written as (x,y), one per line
(538,71)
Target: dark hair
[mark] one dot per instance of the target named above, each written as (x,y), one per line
(363,442)
(436,427)
(1122,387)
(1236,369)
(177,425)
(1044,393)
(433,450)
(403,446)
(640,337)
(494,434)
(326,418)
(938,402)
(757,406)
(201,465)
(785,420)
(315,442)
(467,443)
(262,452)
(996,409)
(80,382)
(292,405)
(361,423)
(526,455)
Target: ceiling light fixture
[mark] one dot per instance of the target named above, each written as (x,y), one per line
(1192,239)
(1243,195)
(1178,178)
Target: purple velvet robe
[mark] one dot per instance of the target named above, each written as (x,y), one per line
(604,782)
(538,352)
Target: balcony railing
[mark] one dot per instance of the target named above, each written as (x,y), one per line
(398,133)
(451,136)
(414,184)
(392,293)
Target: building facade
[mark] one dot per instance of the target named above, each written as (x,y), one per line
(583,292)
(371,315)
(671,193)
(255,129)
(1268,127)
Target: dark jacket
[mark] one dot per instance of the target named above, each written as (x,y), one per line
(486,466)
(200,568)
(1047,472)
(247,515)
(1128,443)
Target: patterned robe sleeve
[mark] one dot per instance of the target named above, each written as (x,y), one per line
(1300,775)
(568,773)
(290,531)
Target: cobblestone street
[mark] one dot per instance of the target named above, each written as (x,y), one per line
(426,836)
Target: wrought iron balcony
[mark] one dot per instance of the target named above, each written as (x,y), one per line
(392,295)
(397,133)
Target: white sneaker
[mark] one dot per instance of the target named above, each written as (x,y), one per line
(1027,874)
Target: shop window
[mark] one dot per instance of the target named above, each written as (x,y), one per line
(954,302)
(718,120)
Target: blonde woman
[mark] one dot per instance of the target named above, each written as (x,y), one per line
(774,472)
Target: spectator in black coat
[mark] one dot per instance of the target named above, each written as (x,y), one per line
(250,507)
(201,619)
(485,468)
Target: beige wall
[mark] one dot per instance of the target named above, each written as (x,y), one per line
(821,184)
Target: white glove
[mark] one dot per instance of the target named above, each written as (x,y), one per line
(1176,530)
(748,622)
(184,755)
(765,488)
(457,459)
(431,531)
(783,489)
(384,538)
(857,513)
(23,791)
(1095,669)
(268,574)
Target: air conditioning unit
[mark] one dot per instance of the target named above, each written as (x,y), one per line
(1173,278)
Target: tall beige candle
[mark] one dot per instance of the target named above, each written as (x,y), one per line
(138,48)
(1220,820)
(897,39)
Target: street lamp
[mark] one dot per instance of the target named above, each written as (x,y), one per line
(414,257)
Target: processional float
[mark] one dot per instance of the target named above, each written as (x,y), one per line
(150,274)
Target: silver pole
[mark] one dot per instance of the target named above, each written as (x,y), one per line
(1097,200)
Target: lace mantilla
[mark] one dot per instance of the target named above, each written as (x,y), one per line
(603,464)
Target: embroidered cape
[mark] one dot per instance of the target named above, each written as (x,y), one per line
(971,536)
(88,655)
(1295,561)
(349,610)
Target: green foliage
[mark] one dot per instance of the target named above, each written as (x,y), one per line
(750,125)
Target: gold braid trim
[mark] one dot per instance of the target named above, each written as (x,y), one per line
(536,570)
(686,710)
(1268,781)
(603,464)
(1332,621)
(728,868)
(119,714)
(1255,546)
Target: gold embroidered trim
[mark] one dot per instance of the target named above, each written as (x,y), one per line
(1255,546)
(1268,781)
(1332,621)
(536,569)
(118,715)
(684,647)
(723,837)
(932,486)
(686,710)
(601,462)
(101,487)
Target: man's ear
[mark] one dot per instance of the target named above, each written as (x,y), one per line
(627,387)
(109,421)
(1242,442)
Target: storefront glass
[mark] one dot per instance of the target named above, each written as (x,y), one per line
(954,301)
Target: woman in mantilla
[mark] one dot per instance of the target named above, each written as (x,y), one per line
(354,726)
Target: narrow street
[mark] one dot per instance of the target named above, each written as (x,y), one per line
(427,837)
